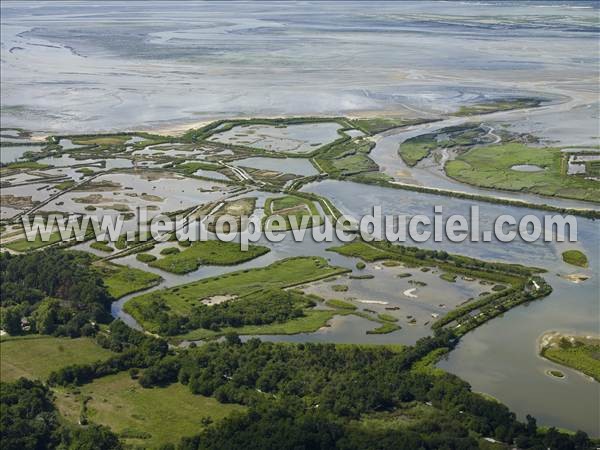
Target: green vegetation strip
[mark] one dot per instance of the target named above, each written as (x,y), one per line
(101,140)
(211,252)
(290,206)
(27,165)
(145,257)
(101,246)
(124,280)
(326,204)
(387,317)
(384,328)
(498,105)
(575,258)
(340,304)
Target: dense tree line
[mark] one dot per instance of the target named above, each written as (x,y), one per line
(314,395)
(258,308)
(136,350)
(52,292)
(287,425)
(29,421)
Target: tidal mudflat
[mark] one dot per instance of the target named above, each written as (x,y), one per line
(161,192)
(301,138)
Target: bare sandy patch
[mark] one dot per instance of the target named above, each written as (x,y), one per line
(217,299)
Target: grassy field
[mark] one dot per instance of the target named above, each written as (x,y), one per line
(144,417)
(181,299)
(490,167)
(123,280)
(575,258)
(415,149)
(212,252)
(579,353)
(36,356)
(290,206)
(23,245)
(283,203)
(347,158)
(354,163)
(313,320)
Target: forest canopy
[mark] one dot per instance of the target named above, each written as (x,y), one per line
(52,292)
